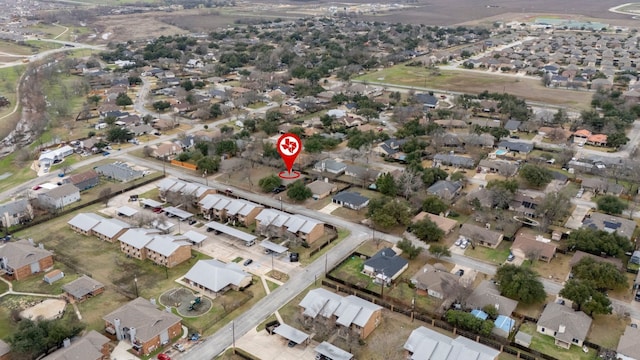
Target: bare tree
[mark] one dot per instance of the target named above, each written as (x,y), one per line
(105,195)
(143,219)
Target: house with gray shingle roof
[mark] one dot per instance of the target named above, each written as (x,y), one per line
(628,345)
(385,265)
(143,324)
(351,200)
(566,326)
(445,189)
(118,171)
(22,259)
(215,277)
(330,166)
(93,346)
(15,212)
(454,160)
(351,313)
(59,197)
(83,288)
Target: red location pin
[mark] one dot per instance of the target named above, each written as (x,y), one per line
(289,147)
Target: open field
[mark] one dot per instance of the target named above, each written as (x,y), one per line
(477,82)
(14,48)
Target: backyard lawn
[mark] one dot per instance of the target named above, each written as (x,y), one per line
(606,330)
(546,344)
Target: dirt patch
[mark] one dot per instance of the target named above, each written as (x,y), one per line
(121,28)
(48,309)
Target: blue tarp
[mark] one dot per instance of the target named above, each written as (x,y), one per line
(479,314)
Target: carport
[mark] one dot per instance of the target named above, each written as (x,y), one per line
(290,333)
(228,230)
(276,248)
(332,352)
(126,211)
(183,215)
(195,237)
(151,203)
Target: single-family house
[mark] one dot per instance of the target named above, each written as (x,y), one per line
(435,281)
(427,344)
(85,180)
(82,288)
(350,313)
(597,140)
(351,200)
(580,136)
(481,235)
(628,345)
(385,266)
(567,326)
(83,223)
(427,100)
(143,324)
(330,166)
(166,150)
(609,223)
(15,212)
(48,158)
(22,259)
(92,346)
(214,277)
(528,246)
(59,197)
(453,160)
(515,146)
(487,293)
(524,204)
(502,167)
(321,189)
(119,171)
(445,189)
(271,222)
(390,147)
(513,126)
(445,224)
(599,185)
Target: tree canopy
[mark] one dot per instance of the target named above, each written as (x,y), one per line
(439,250)
(426,230)
(611,204)
(408,248)
(602,275)
(386,184)
(468,321)
(434,205)
(520,283)
(123,100)
(298,191)
(33,338)
(536,176)
(586,298)
(387,213)
(599,241)
(268,183)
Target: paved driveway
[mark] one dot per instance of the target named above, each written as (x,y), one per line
(274,347)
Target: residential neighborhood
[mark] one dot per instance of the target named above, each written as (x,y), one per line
(467,191)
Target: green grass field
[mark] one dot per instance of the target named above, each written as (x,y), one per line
(476,82)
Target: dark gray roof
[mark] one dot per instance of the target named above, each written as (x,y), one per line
(426,99)
(516,146)
(14,207)
(444,186)
(512,125)
(455,160)
(352,198)
(385,261)
(118,171)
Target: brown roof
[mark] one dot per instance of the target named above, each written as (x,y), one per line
(527,243)
(78,178)
(579,255)
(478,233)
(445,224)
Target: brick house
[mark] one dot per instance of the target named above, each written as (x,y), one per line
(22,259)
(93,346)
(144,325)
(351,314)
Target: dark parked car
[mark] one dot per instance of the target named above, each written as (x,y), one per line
(192,221)
(460,272)
(279,189)
(291,344)
(248,262)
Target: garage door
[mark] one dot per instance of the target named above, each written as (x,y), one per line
(164,337)
(35,267)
